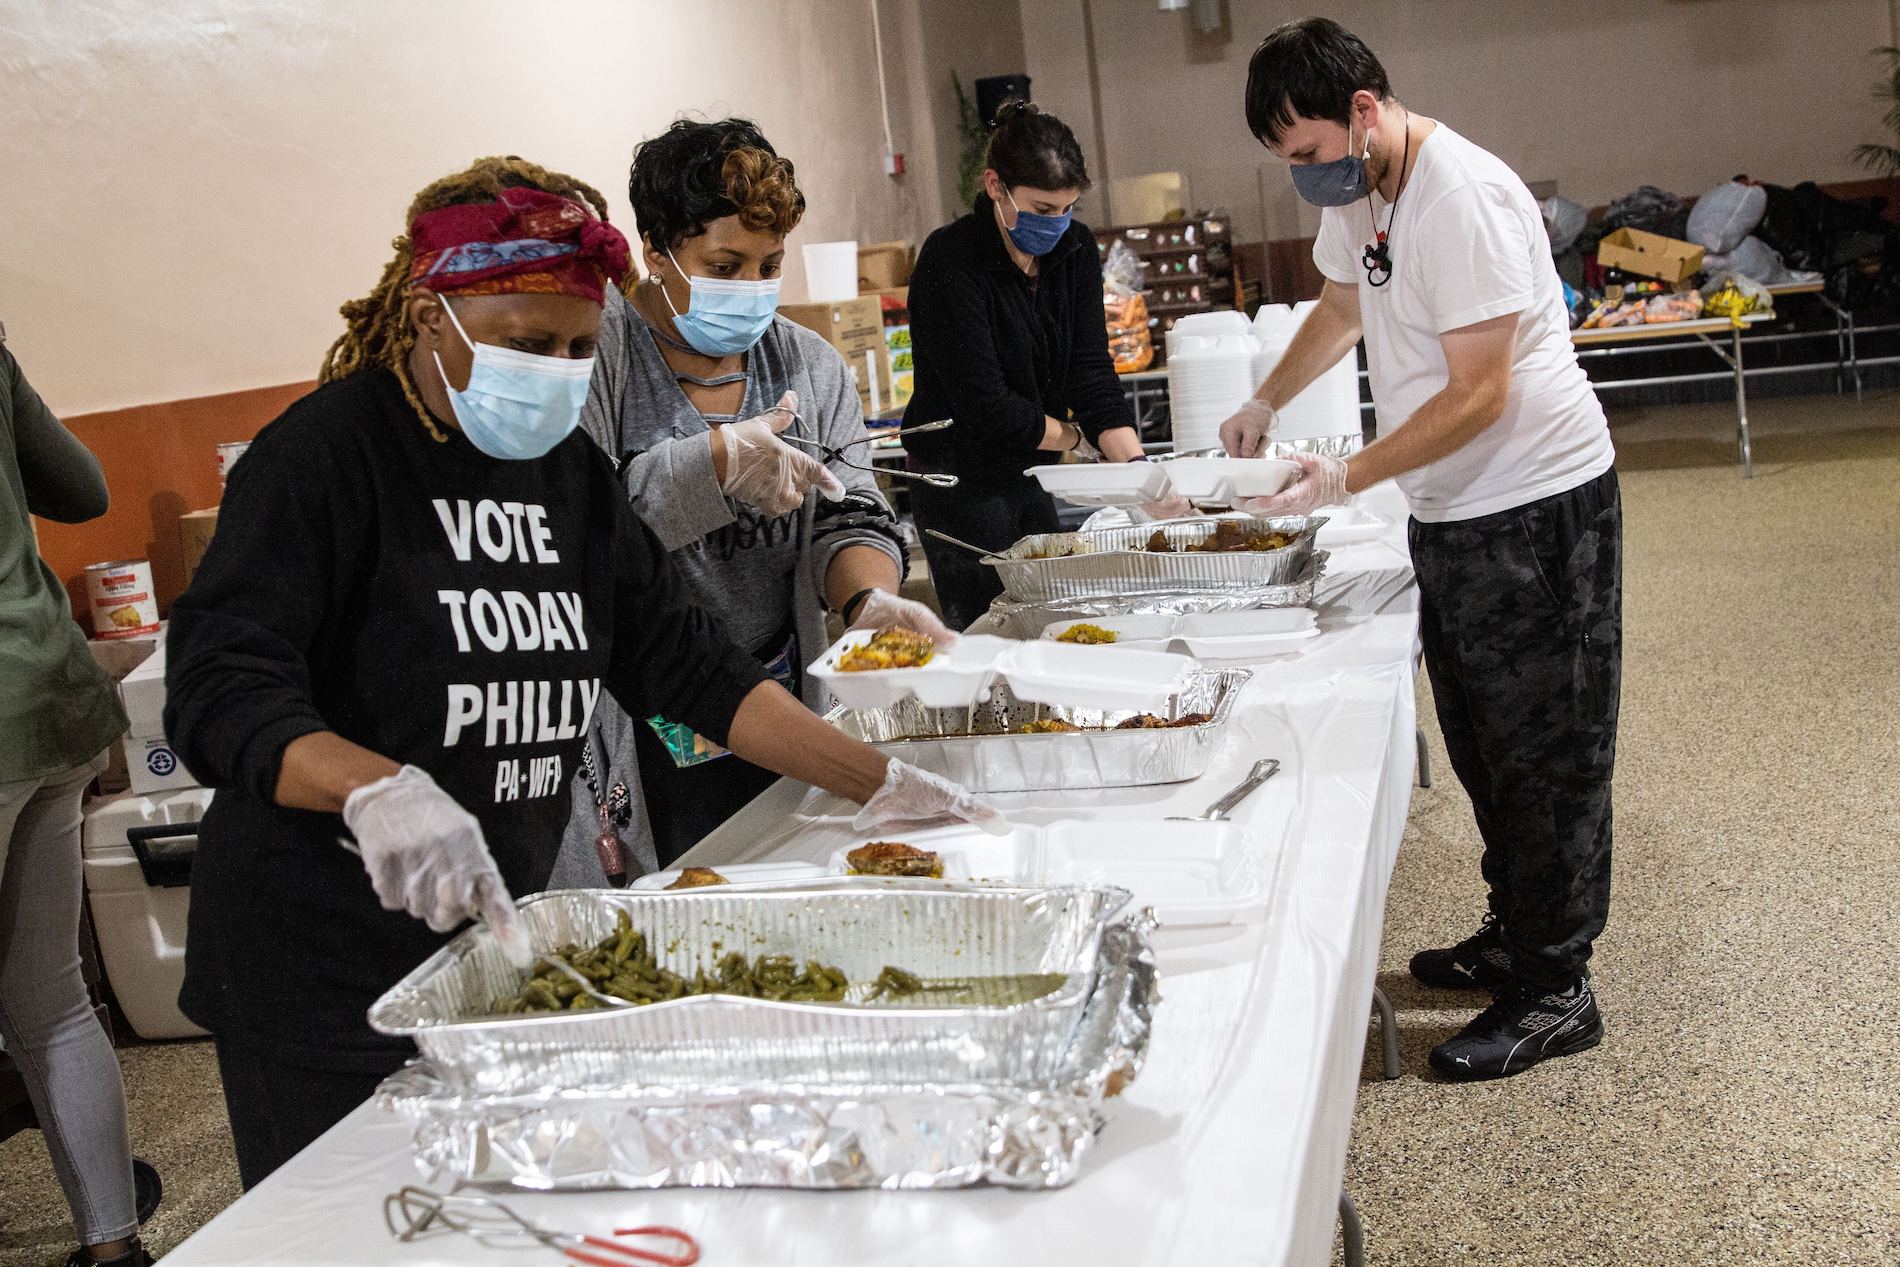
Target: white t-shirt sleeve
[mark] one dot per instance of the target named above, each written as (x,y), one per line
(1333,251)
(1479,265)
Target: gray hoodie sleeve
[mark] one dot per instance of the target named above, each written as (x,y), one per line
(671,483)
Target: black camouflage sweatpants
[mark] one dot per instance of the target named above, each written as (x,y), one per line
(1522,623)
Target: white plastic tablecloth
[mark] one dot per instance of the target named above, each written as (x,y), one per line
(1230,1146)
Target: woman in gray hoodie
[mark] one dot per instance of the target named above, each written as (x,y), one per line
(696,381)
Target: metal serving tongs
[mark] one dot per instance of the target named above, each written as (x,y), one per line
(1217,812)
(413,1212)
(828,454)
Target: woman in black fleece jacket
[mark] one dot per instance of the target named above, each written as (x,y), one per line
(1006,326)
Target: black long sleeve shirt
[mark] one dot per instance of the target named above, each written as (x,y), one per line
(443,608)
(998,350)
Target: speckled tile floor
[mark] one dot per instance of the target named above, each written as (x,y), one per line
(1743,1109)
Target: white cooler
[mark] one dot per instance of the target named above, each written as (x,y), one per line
(137,852)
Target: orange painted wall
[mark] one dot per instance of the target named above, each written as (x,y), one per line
(160,461)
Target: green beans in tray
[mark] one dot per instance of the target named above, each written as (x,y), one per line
(623,965)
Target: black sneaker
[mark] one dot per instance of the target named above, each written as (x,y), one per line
(1519,1030)
(1479,962)
(134,1257)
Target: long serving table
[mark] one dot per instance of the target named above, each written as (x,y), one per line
(1230,1146)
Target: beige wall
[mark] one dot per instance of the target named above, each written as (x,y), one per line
(1776,88)
(191,188)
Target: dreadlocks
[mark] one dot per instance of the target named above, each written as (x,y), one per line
(377,330)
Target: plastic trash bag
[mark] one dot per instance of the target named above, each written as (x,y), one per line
(1563,221)
(1754,258)
(1725,215)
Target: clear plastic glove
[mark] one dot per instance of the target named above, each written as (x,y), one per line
(883,610)
(1322,482)
(1246,433)
(426,855)
(912,797)
(764,471)
(1173,506)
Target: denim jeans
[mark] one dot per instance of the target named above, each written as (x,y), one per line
(51,1033)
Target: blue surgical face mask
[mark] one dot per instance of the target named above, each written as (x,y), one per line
(724,318)
(1337,183)
(517,405)
(1036,234)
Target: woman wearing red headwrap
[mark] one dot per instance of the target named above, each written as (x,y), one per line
(423,579)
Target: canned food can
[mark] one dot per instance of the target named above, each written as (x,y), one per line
(120,594)
(228,455)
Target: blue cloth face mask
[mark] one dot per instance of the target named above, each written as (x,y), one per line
(724,318)
(517,405)
(1337,183)
(1036,234)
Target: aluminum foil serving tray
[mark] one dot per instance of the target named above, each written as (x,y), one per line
(1007,619)
(976,746)
(1113,563)
(934,929)
(778,1134)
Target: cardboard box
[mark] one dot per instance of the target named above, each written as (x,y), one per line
(856,328)
(885,265)
(118,657)
(897,349)
(1650,255)
(194,535)
(150,764)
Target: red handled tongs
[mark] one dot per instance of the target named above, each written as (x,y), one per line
(414,1212)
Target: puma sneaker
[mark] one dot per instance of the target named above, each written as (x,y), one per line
(1520,1029)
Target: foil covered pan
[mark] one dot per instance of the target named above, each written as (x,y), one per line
(976,746)
(1008,619)
(888,1133)
(1110,562)
(939,931)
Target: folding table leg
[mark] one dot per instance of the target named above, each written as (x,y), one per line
(1741,405)
(1424,758)
(1388,1032)
(1351,1230)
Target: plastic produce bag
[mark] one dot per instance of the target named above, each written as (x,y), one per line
(1734,296)
(1563,221)
(1121,270)
(1725,215)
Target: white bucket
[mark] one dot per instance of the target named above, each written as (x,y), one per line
(831,271)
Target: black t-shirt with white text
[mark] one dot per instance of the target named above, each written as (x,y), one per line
(446,609)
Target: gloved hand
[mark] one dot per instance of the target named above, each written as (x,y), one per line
(1245,434)
(764,471)
(425,855)
(913,796)
(1173,506)
(883,610)
(1322,482)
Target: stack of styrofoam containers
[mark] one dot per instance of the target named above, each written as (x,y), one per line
(1330,406)
(139,908)
(1211,360)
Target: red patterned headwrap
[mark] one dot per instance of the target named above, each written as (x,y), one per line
(525,242)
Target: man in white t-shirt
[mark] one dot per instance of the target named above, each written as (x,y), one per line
(1434,252)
